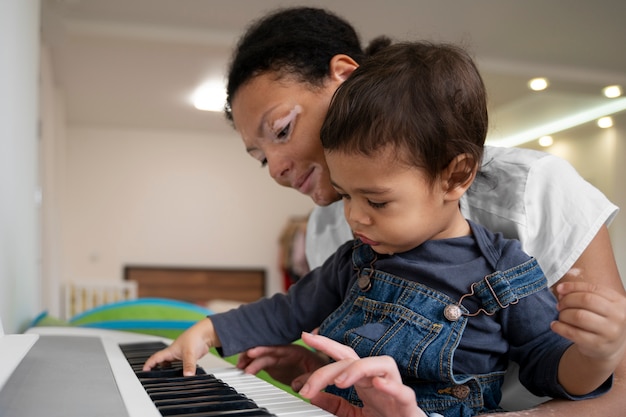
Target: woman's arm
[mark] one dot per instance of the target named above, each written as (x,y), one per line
(612,403)
(595,265)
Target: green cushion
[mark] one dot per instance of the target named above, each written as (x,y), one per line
(45,319)
(153,316)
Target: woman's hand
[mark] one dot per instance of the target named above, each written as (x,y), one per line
(594,318)
(376,379)
(190,346)
(289,364)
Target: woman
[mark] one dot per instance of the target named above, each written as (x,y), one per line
(283,74)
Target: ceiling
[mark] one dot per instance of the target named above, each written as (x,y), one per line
(135,63)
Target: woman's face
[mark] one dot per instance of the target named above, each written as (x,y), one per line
(279,120)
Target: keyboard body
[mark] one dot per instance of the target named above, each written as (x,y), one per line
(68,371)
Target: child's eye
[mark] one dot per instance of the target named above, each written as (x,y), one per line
(263,162)
(376,205)
(344,196)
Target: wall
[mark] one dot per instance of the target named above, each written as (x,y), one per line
(52,176)
(177,198)
(114,196)
(19,237)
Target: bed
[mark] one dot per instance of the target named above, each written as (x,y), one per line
(214,288)
(161,300)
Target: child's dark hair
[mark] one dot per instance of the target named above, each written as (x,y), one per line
(427,100)
(299,41)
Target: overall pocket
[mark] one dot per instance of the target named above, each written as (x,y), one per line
(375,328)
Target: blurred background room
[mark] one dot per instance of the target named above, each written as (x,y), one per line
(106,164)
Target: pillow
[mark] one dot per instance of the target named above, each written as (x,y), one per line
(45,319)
(154,316)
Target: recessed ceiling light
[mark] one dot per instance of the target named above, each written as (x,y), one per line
(605,122)
(546,141)
(538,84)
(210,96)
(558,125)
(612,91)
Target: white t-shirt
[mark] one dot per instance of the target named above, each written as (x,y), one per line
(527,195)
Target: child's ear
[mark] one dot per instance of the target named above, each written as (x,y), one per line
(458,176)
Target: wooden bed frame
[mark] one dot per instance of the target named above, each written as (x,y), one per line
(197,285)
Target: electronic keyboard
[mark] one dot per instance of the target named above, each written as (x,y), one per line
(69,371)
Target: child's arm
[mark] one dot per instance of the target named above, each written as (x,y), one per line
(594,318)
(190,346)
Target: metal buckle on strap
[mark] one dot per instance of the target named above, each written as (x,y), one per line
(364,281)
(453,312)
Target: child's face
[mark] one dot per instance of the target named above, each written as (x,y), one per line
(390,205)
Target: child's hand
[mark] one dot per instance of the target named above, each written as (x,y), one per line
(376,379)
(190,346)
(594,318)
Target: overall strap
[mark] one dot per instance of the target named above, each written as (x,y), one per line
(502,288)
(362,255)
(363,258)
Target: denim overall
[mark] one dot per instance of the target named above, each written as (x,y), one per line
(386,315)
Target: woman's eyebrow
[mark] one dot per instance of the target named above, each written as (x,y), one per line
(280,122)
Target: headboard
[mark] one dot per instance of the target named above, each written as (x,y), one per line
(197,285)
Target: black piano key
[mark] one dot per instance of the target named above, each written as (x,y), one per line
(163,392)
(198,407)
(156,384)
(136,351)
(163,396)
(181,387)
(137,357)
(201,379)
(197,399)
(173,394)
(204,377)
(165,373)
(142,346)
(251,412)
